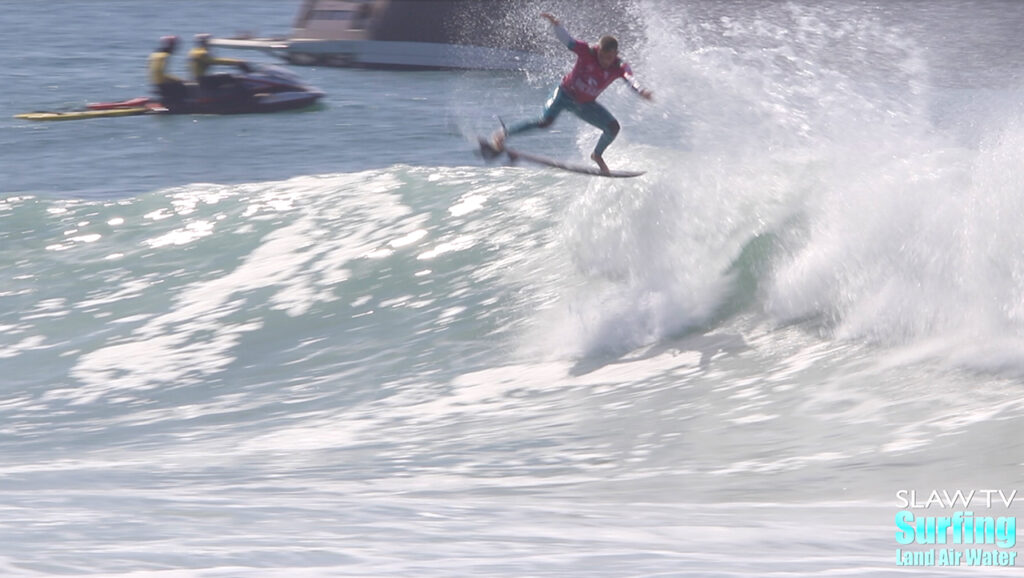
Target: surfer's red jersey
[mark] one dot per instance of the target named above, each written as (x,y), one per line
(587,80)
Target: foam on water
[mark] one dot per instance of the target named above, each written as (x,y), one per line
(816,129)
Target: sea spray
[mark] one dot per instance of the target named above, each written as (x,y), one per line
(755,120)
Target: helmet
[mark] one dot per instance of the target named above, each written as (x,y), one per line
(168,43)
(202,39)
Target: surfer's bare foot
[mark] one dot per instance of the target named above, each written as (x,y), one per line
(600,163)
(498,139)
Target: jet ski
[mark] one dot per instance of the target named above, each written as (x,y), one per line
(260,89)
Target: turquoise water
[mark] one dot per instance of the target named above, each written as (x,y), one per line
(336,343)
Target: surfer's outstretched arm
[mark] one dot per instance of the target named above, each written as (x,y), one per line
(560,32)
(634,84)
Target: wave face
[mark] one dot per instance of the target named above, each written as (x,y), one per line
(886,183)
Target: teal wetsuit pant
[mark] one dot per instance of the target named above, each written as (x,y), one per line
(590,112)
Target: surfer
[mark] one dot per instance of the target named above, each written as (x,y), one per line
(596,67)
(170,88)
(200,60)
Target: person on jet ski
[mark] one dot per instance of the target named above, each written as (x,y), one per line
(170,88)
(200,60)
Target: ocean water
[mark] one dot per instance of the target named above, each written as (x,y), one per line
(336,343)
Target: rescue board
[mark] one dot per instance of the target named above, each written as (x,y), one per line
(84,114)
(130,103)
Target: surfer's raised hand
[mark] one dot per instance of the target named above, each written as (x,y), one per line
(550,18)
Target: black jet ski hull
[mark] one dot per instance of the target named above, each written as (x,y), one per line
(262,103)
